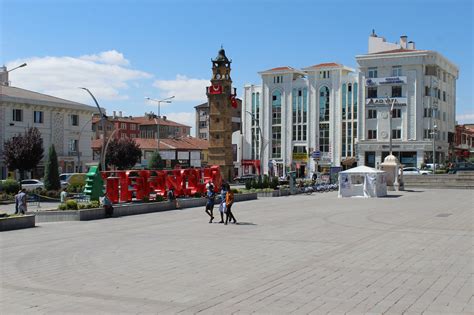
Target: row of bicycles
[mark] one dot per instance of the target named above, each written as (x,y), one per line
(318,188)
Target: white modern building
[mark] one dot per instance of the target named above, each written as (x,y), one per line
(296,112)
(422,86)
(64,123)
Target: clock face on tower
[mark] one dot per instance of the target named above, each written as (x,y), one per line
(218,76)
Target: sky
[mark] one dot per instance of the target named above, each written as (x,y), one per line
(126,50)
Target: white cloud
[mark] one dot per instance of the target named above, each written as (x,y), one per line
(184,88)
(111,57)
(185,118)
(104,74)
(465,118)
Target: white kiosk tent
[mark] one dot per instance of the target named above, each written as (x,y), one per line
(362,181)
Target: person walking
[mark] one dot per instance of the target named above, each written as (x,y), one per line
(63,195)
(17,202)
(21,199)
(229,201)
(210,202)
(222,206)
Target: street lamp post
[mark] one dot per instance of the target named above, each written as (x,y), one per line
(4,79)
(433,135)
(79,167)
(103,117)
(165,100)
(260,142)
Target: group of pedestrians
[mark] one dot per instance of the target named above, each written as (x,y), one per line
(225,206)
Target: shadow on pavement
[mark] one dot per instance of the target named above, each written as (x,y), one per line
(392,196)
(415,191)
(245,223)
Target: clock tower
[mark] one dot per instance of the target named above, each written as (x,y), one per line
(221,99)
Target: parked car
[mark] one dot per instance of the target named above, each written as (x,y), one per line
(463,166)
(31,184)
(415,171)
(244,178)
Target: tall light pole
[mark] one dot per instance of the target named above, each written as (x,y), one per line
(165,100)
(79,167)
(5,78)
(433,135)
(103,117)
(260,142)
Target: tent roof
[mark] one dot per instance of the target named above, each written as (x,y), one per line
(362,169)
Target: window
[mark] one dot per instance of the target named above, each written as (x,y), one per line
(17,115)
(299,113)
(74,120)
(444,116)
(72,145)
(427,133)
(38,117)
(444,96)
(202,135)
(372,72)
(396,91)
(426,112)
(133,136)
(276,107)
(397,113)
(202,124)
(372,134)
(439,94)
(123,135)
(372,92)
(430,70)
(396,71)
(427,91)
(133,127)
(324,137)
(372,114)
(123,126)
(324,103)
(396,134)
(278,79)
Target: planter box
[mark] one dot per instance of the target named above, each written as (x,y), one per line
(129,209)
(57,216)
(15,223)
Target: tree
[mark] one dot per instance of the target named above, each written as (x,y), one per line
(124,153)
(51,176)
(155,162)
(24,152)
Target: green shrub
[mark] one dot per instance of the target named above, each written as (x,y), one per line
(159,198)
(93,204)
(235,191)
(9,186)
(274,183)
(75,188)
(62,206)
(265,182)
(197,195)
(248,184)
(82,206)
(71,205)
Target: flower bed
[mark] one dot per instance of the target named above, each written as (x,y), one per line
(15,222)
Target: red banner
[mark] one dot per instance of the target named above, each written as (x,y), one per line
(215,89)
(233,101)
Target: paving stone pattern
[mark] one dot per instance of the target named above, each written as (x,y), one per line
(301,254)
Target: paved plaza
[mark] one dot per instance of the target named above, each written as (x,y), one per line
(412,253)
